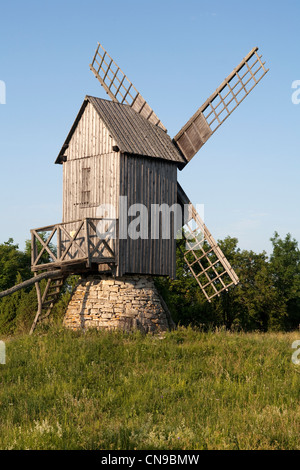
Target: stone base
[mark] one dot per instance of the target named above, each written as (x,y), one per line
(130,302)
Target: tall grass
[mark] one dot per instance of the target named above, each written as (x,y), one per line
(186,390)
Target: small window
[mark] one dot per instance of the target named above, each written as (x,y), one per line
(86,179)
(86,185)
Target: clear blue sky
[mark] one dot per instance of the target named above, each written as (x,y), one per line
(176,53)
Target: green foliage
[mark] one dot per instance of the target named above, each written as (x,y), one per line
(18,310)
(183,296)
(8,309)
(285,272)
(266,298)
(12,261)
(187,390)
(254,304)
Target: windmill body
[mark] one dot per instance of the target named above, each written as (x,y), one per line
(114,155)
(118,155)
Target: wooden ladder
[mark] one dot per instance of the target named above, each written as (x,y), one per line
(47,301)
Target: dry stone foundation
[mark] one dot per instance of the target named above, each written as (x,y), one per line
(131,302)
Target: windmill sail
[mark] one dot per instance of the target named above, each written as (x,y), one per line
(220,104)
(119,87)
(203,256)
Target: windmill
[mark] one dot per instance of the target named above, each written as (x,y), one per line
(189,140)
(119,150)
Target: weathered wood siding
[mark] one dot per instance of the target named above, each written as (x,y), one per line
(94,174)
(89,182)
(91,172)
(90,137)
(148,181)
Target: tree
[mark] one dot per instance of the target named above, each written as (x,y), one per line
(184,298)
(12,261)
(17,310)
(254,304)
(285,272)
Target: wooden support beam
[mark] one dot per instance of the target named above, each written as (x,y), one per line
(30,282)
(39,311)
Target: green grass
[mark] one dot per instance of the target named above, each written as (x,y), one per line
(187,390)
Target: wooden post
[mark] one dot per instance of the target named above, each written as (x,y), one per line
(33,248)
(29,282)
(87,244)
(58,243)
(116,247)
(39,311)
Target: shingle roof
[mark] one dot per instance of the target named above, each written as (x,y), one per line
(132,132)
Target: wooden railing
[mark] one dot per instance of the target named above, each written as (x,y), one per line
(74,242)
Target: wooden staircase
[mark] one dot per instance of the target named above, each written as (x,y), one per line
(55,282)
(48,299)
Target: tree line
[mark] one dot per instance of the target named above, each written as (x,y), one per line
(266,298)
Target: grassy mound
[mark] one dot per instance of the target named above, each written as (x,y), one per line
(186,390)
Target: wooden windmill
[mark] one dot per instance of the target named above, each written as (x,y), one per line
(116,150)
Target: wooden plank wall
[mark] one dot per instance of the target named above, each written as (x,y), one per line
(103,185)
(90,137)
(92,167)
(148,181)
(91,172)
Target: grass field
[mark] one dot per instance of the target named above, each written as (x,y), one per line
(186,390)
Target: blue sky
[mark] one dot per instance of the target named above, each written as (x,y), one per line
(176,53)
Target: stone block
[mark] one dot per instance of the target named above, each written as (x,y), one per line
(127,303)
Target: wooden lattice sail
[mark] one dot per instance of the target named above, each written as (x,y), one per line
(218,107)
(203,256)
(119,87)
